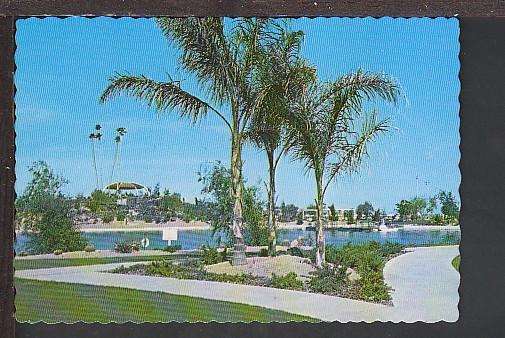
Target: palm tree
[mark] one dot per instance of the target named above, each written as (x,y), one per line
(284,72)
(92,138)
(121,131)
(331,131)
(223,59)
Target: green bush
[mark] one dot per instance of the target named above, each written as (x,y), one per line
(148,219)
(288,281)
(58,252)
(107,218)
(211,256)
(90,248)
(227,278)
(120,218)
(328,280)
(263,252)
(372,287)
(295,251)
(172,248)
(124,246)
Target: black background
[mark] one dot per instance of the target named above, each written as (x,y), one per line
(482,165)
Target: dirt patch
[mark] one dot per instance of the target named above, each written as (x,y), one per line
(266,266)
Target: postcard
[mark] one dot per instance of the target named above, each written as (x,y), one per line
(237,170)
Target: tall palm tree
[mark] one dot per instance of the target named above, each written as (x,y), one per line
(222,55)
(285,72)
(121,131)
(330,131)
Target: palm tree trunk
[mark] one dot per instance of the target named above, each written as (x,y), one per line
(94,162)
(116,151)
(320,247)
(272,240)
(239,257)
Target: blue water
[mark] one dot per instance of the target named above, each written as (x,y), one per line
(192,239)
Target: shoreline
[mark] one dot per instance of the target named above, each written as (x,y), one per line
(411,227)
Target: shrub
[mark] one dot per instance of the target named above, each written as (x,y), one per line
(148,219)
(329,280)
(211,256)
(288,281)
(295,251)
(57,252)
(372,287)
(120,218)
(124,246)
(263,252)
(107,218)
(172,248)
(227,278)
(90,248)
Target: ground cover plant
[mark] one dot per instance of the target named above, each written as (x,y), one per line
(367,260)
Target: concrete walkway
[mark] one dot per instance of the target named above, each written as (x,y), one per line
(426,289)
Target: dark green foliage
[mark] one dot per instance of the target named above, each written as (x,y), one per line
(295,251)
(372,287)
(217,185)
(364,210)
(107,218)
(172,248)
(148,219)
(288,281)
(186,270)
(368,259)
(45,210)
(90,248)
(263,252)
(449,206)
(120,217)
(101,201)
(124,246)
(328,279)
(211,256)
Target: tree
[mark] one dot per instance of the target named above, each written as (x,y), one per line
(282,73)
(100,201)
(331,131)
(418,206)
(364,209)
(349,216)
(121,132)
(224,60)
(217,185)
(43,209)
(94,137)
(404,209)
(432,205)
(449,207)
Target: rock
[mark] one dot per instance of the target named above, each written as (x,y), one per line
(352,274)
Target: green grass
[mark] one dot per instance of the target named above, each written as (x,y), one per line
(53,302)
(455,262)
(25,264)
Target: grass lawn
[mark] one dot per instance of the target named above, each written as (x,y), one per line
(25,264)
(455,262)
(65,302)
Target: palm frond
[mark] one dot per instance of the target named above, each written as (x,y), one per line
(163,96)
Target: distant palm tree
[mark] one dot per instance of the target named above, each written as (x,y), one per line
(330,131)
(284,72)
(121,131)
(92,137)
(223,57)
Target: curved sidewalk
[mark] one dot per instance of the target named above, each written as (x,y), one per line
(425,289)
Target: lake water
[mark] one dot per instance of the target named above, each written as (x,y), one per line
(192,239)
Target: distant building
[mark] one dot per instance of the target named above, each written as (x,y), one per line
(309,215)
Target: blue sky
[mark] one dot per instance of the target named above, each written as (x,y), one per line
(63,66)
